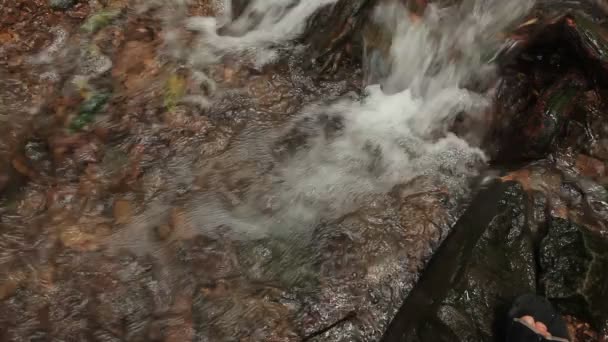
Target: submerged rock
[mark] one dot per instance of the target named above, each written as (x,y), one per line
(62,4)
(171,277)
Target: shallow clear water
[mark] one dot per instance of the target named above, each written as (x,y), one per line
(224,192)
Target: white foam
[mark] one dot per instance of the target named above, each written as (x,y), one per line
(263,24)
(390,137)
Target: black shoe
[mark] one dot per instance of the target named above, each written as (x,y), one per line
(541,310)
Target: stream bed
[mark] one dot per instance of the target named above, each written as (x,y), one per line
(300,171)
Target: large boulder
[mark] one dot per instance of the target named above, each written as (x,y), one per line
(545,234)
(500,268)
(486,262)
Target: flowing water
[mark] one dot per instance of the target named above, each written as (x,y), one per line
(263,204)
(350,148)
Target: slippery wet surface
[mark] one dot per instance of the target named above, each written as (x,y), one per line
(151,192)
(101,234)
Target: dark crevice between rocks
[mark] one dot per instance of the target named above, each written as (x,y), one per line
(536,204)
(339,322)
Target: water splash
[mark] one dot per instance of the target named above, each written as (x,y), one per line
(329,158)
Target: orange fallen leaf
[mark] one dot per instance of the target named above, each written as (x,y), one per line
(520,176)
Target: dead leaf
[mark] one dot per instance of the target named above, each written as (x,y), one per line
(123,212)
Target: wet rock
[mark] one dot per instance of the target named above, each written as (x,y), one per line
(356,272)
(258,308)
(62,4)
(238,7)
(377,40)
(540,128)
(537,214)
(589,39)
(592,109)
(369,262)
(334,29)
(574,270)
(548,239)
(501,267)
(590,167)
(512,97)
(564,112)
(485,263)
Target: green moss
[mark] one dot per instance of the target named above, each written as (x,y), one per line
(88,109)
(99,20)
